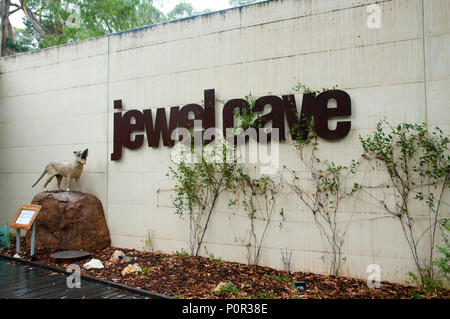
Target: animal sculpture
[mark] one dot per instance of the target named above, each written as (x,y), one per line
(70,170)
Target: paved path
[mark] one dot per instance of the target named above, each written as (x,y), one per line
(19,280)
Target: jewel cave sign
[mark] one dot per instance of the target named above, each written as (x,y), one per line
(312,106)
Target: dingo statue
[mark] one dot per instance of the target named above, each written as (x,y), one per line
(65,169)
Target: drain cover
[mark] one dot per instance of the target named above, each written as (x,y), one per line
(70,255)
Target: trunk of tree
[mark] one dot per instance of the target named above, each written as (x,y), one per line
(6,30)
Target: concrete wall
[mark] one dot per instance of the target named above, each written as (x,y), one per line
(58,100)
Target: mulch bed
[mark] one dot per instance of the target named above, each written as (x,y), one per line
(182,276)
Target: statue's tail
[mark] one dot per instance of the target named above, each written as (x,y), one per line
(39,179)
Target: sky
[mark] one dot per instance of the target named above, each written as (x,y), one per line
(163,5)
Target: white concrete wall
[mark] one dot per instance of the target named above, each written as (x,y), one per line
(58,100)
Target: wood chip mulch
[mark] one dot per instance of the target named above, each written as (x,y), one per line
(182,276)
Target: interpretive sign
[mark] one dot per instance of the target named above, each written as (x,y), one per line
(25,216)
(24,219)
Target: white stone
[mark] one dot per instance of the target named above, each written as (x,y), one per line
(93,264)
(131,269)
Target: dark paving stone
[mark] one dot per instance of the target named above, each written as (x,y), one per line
(21,281)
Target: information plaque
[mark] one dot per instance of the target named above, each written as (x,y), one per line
(25,216)
(24,219)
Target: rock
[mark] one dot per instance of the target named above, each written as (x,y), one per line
(93,264)
(117,256)
(131,269)
(127,270)
(17,256)
(70,221)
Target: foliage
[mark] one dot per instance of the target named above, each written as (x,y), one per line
(181,10)
(305,124)
(182,254)
(247,117)
(148,242)
(282,279)
(302,88)
(215,260)
(285,256)
(323,199)
(444,261)
(256,195)
(230,288)
(326,190)
(50,23)
(118,15)
(144,271)
(23,41)
(263,295)
(417,163)
(198,185)
(258,201)
(416,160)
(428,287)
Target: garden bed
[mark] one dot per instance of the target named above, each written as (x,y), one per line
(181,276)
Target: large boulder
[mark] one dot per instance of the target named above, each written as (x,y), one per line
(70,221)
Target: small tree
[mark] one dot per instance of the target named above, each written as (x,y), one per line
(323,198)
(198,186)
(326,188)
(258,201)
(6,29)
(417,163)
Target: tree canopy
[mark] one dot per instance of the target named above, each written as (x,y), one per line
(53,22)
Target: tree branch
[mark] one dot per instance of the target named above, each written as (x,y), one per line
(15,10)
(34,22)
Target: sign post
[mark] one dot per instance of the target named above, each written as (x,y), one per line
(24,219)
